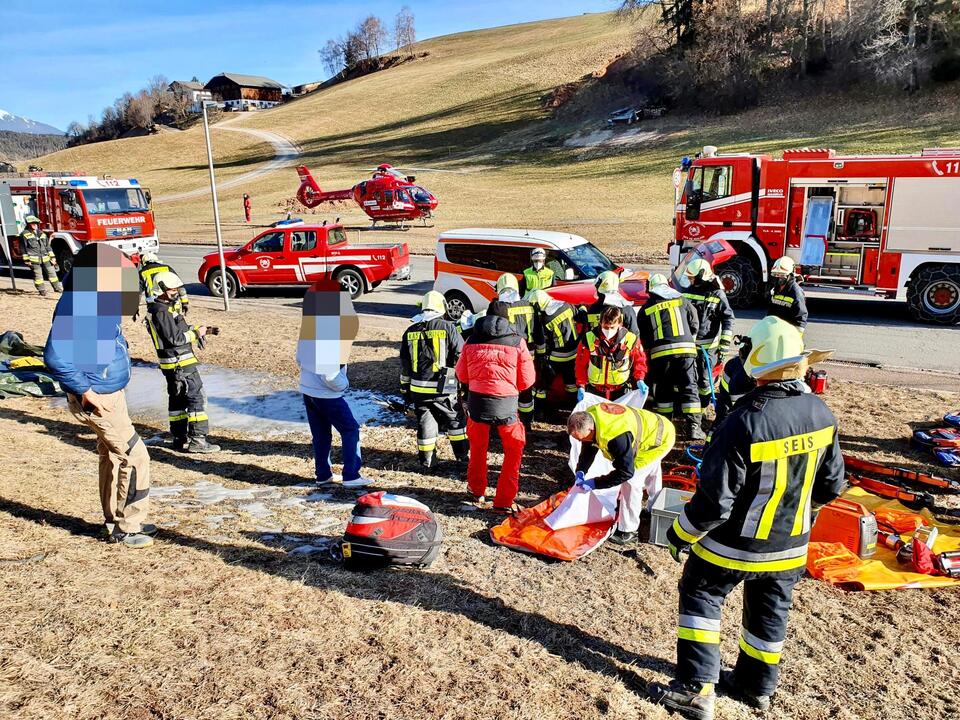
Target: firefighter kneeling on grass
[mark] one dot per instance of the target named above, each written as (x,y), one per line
(634,441)
(38,255)
(771,465)
(173,339)
(429,352)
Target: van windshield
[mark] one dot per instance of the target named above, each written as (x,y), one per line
(590,261)
(114,200)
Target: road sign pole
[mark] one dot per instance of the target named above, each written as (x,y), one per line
(216,213)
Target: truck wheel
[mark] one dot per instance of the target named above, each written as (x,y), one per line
(64,261)
(741,281)
(351,282)
(933,295)
(457,303)
(214,286)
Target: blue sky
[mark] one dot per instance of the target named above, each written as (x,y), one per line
(73,59)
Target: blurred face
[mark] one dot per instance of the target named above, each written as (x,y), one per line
(171,294)
(538,262)
(327,329)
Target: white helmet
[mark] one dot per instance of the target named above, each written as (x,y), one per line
(783,267)
(167,281)
(149,257)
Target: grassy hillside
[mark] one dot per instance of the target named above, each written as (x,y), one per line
(468,121)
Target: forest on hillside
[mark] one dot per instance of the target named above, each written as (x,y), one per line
(15,146)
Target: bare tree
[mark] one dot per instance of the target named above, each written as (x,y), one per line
(141,111)
(75,131)
(374,35)
(404,31)
(332,56)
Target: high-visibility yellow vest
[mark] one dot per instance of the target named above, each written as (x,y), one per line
(602,371)
(538,279)
(653,435)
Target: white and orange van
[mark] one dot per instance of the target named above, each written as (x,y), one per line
(469,262)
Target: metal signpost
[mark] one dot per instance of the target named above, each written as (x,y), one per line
(216,211)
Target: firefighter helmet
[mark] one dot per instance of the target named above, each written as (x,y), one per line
(31,219)
(539,299)
(608,282)
(167,280)
(776,351)
(538,254)
(149,257)
(433,301)
(699,268)
(507,281)
(783,267)
(657,280)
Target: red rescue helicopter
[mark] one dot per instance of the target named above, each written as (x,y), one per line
(390,195)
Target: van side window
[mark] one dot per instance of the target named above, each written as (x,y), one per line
(472,255)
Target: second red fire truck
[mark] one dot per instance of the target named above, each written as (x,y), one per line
(858,226)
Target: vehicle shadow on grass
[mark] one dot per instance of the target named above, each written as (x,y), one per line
(434,591)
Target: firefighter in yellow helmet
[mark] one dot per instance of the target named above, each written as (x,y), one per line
(150,266)
(558,352)
(429,352)
(772,463)
(715,316)
(538,276)
(786,299)
(521,314)
(608,294)
(38,255)
(173,337)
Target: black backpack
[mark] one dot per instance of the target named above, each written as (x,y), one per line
(389,529)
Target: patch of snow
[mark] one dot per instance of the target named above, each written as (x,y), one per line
(257,510)
(611,138)
(209,493)
(307,550)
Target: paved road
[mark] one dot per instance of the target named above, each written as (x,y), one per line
(285,152)
(860,331)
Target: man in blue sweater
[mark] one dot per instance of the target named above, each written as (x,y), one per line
(87,353)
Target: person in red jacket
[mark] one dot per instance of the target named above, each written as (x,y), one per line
(247,207)
(610,358)
(496,366)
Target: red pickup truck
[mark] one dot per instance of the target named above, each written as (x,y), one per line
(300,254)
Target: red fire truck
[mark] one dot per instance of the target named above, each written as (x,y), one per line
(75,210)
(858,226)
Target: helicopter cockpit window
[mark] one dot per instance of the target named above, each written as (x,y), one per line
(419,194)
(271,242)
(387,196)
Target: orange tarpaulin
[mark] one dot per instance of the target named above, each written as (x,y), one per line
(528,531)
(835,564)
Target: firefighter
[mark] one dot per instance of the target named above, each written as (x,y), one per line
(173,339)
(610,358)
(150,266)
(557,354)
(38,255)
(786,297)
(428,356)
(522,316)
(668,332)
(634,441)
(247,207)
(716,323)
(608,294)
(538,276)
(772,464)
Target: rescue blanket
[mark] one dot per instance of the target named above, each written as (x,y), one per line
(835,564)
(22,371)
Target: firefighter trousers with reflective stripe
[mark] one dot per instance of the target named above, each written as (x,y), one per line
(547,375)
(441,413)
(187,403)
(45,267)
(124,462)
(674,385)
(766,605)
(704,375)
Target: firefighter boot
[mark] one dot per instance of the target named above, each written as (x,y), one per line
(691,700)
(694,430)
(622,537)
(730,687)
(58,287)
(199,445)
(426,458)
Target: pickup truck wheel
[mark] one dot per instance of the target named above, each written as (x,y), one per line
(351,281)
(213,283)
(741,281)
(933,295)
(457,303)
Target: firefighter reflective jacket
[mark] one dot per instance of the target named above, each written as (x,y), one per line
(560,338)
(610,363)
(429,352)
(670,324)
(172,335)
(590,316)
(149,288)
(774,458)
(522,315)
(534,279)
(713,312)
(787,302)
(35,247)
(628,437)
(734,384)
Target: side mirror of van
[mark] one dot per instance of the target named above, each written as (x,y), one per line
(570,274)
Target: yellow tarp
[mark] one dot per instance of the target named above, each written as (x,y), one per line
(833,563)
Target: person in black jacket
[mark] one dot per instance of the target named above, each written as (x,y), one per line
(38,255)
(173,339)
(734,384)
(786,297)
(608,293)
(716,323)
(523,316)
(429,352)
(773,462)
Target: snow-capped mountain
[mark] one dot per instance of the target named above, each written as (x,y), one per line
(15,123)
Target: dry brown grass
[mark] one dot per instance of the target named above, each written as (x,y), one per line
(218,622)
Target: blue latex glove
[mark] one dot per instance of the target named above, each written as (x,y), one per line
(582,482)
(579,394)
(642,387)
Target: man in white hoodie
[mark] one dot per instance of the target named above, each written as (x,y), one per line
(327,331)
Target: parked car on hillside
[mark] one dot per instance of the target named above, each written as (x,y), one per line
(300,254)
